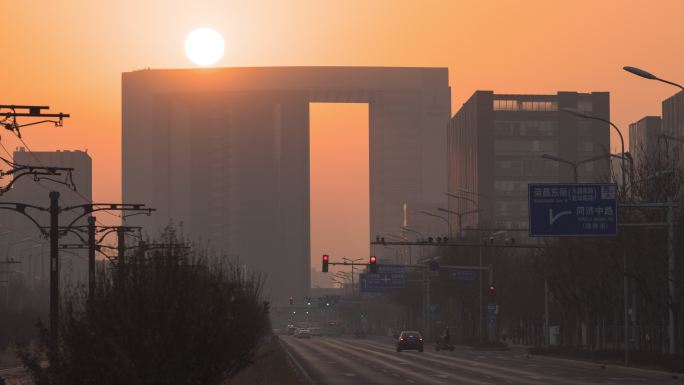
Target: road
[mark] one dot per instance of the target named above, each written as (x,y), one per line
(342,361)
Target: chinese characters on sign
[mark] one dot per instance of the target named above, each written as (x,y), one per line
(572,209)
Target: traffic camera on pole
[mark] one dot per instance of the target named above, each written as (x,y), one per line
(372,265)
(326,259)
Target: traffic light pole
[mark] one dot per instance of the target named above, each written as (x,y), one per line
(121,243)
(91,255)
(481,327)
(54,268)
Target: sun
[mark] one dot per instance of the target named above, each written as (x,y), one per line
(204,46)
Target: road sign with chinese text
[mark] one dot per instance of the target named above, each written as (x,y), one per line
(581,209)
(462,275)
(378,282)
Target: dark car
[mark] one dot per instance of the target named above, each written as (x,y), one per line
(410,341)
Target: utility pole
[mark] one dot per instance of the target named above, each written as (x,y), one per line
(547,324)
(9,262)
(91,255)
(481,318)
(121,245)
(671,276)
(54,268)
(427,304)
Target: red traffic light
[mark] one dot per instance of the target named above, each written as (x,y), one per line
(372,265)
(326,259)
(492,288)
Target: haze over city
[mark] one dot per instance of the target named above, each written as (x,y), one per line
(342,177)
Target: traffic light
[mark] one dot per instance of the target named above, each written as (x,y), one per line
(291,301)
(372,265)
(326,259)
(308,301)
(491,289)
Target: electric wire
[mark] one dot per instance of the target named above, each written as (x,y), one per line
(86,200)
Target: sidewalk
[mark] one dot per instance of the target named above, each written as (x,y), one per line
(603,363)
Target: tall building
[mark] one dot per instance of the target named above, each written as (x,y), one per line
(21,239)
(225,152)
(643,137)
(673,115)
(495,144)
(673,122)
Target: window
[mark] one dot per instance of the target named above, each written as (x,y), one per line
(585,146)
(585,128)
(505,105)
(508,168)
(515,147)
(585,104)
(528,105)
(510,187)
(503,128)
(540,106)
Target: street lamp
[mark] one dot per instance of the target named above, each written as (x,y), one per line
(352,272)
(406,228)
(671,257)
(459,215)
(585,115)
(648,75)
(474,202)
(437,216)
(488,199)
(575,165)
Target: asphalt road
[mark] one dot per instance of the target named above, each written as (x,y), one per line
(342,361)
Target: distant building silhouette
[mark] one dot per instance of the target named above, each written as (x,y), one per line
(225,151)
(21,239)
(495,143)
(673,121)
(644,137)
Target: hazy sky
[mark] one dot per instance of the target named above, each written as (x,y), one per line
(69,54)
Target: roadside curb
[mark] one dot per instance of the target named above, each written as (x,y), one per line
(611,366)
(295,363)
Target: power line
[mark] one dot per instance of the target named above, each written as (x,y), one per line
(86,200)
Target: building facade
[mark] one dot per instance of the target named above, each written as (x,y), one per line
(673,115)
(21,240)
(225,153)
(495,144)
(644,136)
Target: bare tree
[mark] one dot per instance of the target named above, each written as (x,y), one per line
(169,316)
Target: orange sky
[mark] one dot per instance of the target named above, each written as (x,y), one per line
(69,54)
(340,223)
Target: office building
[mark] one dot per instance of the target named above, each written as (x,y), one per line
(225,152)
(495,144)
(21,239)
(644,137)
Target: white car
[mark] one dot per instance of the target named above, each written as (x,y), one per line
(303,333)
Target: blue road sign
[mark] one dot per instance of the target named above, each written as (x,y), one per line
(363,285)
(581,209)
(462,275)
(380,281)
(391,269)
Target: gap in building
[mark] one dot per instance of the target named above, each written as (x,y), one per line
(339,166)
